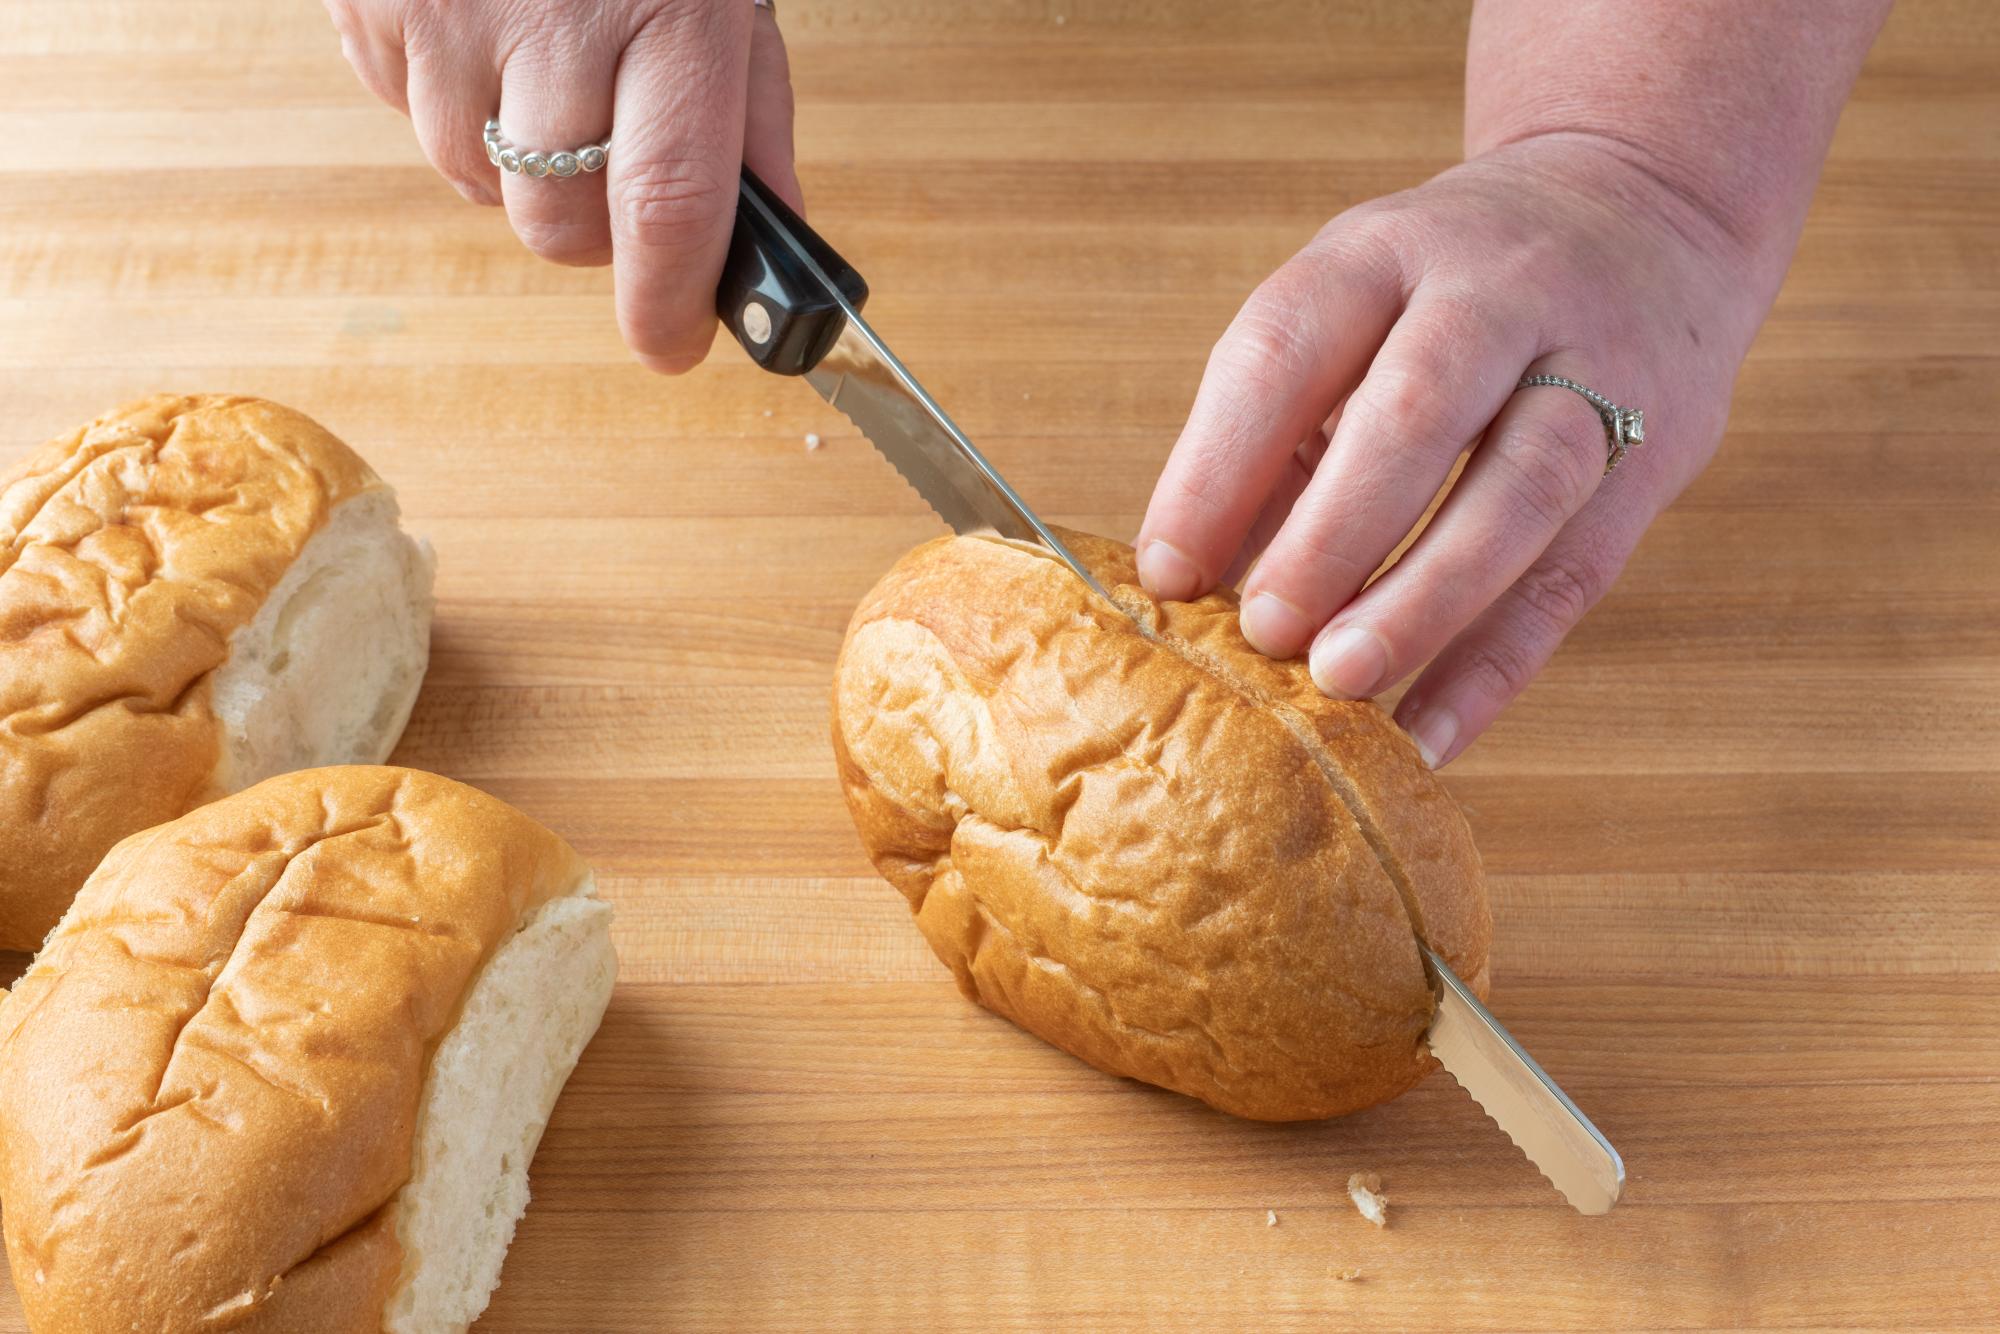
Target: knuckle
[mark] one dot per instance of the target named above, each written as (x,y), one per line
(430,30)
(1499,669)
(1559,589)
(1317,558)
(1404,403)
(1369,248)
(444,13)
(1362,232)
(343,16)
(1374,238)
(552,37)
(562,240)
(1261,353)
(1197,491)
(1547,471)
(673,205)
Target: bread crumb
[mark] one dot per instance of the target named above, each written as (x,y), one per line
(813,441)
(1270,1218)
(1348,1275)
(1365,1189)
(767,412)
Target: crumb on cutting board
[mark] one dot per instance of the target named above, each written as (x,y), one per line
(1347,1275)
(813,441)
(1365,1189)
(1270,1218)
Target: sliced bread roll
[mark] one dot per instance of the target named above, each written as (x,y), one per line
(285,1061)
(195,593)
(1136,837)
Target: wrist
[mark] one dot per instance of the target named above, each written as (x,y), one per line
(1722,242)
(1727,107)
(1633,174)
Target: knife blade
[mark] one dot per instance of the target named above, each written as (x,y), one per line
(1519,1096)
(780,279)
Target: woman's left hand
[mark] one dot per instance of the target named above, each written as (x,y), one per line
(1391,344)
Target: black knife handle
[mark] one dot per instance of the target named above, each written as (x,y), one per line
(778,308)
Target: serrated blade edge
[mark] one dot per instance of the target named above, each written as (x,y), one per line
(1519,1097)
(863,392)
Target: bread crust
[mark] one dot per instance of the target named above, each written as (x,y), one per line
(130,551)
(1144,842)
(210,1076)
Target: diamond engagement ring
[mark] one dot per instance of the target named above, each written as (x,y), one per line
(562,162)
(1623,427)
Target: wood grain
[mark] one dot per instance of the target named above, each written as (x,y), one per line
(1744,833)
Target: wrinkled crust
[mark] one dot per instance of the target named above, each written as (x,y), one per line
(209,1077)
(1413,826)
(1124,847)
(129,552)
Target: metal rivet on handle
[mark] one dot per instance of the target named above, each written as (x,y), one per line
(756,323)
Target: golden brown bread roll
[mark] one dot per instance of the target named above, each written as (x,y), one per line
(284,1063)
(1143,841)
(196,592)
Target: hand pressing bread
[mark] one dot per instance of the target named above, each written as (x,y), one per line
(1143,841)
(285,1061)
(196,592)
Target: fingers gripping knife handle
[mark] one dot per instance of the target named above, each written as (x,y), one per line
(775,294)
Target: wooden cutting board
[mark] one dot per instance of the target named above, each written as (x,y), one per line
(1744,834)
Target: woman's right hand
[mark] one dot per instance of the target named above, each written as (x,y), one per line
(689,89)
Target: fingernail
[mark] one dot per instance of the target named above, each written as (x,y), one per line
(1274,627)
(1167,572)
(1346,663)
(1434,729)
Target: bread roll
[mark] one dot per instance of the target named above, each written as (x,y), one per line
(1143,841)
(283,1064)
(195,593)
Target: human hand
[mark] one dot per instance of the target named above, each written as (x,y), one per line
(695,88)
(1393,342)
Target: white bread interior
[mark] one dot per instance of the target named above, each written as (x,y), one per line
(491,1086)
(1365,1189)
(327,671)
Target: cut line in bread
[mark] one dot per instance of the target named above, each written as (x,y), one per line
(1336,774)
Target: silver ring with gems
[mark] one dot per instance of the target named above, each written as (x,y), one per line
(500,150)
(1623,427)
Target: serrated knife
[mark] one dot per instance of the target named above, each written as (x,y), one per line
(795,306)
